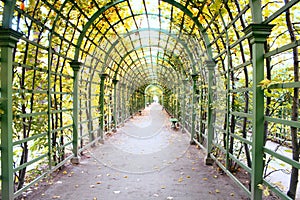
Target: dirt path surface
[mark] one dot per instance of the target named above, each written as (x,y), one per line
(144,160)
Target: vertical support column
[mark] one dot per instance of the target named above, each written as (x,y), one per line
(210,132)
(76,67)
(123,109)
(257,35)
(101,105)
(183,104)
(195,78)
(8,41)
(115,82)
(177,97)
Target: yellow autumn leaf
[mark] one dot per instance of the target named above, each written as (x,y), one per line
(260,186)
(65,172)
(279,185)
(204,179)
(264,83)
(266,192)
(217,191)
(180,179)
(163,187)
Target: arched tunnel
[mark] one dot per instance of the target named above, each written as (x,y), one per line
(227,71)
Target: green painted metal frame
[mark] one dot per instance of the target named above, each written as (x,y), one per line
(257,35)
(76,67)
(258,58)
(8,40)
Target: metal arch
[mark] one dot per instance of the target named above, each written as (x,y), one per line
(146,83)
(113,3)
(157,30)
(128,53)
(158,64)
(199,25)
(130,77)
(167,69)
(150,85)
(173,66)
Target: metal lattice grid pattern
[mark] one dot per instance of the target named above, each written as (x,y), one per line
(79,69)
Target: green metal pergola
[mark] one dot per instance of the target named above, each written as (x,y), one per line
(74,70)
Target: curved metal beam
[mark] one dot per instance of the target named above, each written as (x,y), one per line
(114,3)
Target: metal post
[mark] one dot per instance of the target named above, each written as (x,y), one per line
(8,40)
(115,82)
(183,104)
(76,67)
(101,105)
(257,34)
(210,132)
(195,78)
(123,109)
(177,99)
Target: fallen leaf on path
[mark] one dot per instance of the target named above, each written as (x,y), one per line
(99,182)
(232,194)
(65,172)
(188,176)
(125,176)
(92,186)
(217,191)
(180,179)
(56,197)
(117,192)
(163,187)
(155,195)
(76,186)
(169,198)
(204,179)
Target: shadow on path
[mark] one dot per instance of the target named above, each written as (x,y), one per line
(144,159)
